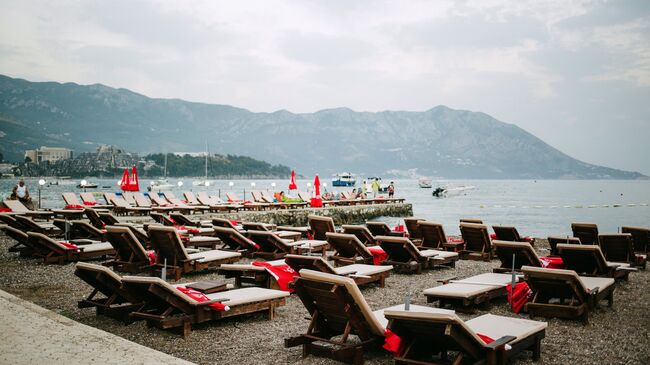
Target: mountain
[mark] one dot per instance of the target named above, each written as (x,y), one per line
(440,141)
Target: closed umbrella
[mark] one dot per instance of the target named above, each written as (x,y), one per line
(316,201)
(292,183)
(124,183)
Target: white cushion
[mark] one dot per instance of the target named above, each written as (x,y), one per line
(460,290)
(379,314)
(95,247)
(496,327)
(361,269)
(213,255)
(247,295)
(602,283)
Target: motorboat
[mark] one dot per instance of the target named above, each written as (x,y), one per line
(425,182)
(344,179)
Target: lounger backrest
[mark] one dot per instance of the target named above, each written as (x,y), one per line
(378,228)
(507,233)
(128,196)
(181,219)
(433,234)
(361,232)
(553,241)
(471,220)
(141,200)
(108,218)
(524,254)
(94,218)
(90,198)
(157,293)
(157,217)
(640,238)
(86,230)
(254,226)
(103,279)
(555,283)
(316,290)
(617,247)
(45,244)
(70,199)
(587,232)
(139,233)
(28,223)
(268,241)
(347,245)
(16,206)
(476,237)
(266,199)
(315,263)
(586,259)
(399,249)
(204,198)
(413,228)
(190,198)
(120,202)
(158,200)
(125,243)
(232,238)
(167,244)
(257,196)
(232,197)
(320,225)
(16,234)
(222,222)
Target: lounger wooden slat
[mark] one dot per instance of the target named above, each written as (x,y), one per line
(361,274)
(477,243)
(406,257)
(54,252)
(467,294)
(553,241)
(640,239)
(131,255)
(586,232)
(619,248)
(588,260)
(524,255)
(272,247)
(348,249)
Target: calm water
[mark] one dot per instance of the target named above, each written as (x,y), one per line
(537,208)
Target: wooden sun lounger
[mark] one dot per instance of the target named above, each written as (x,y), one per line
(90,201)
(22,246)
(122,206)
(162,202)
(54,252)
(343,326)
(524,254)
(382,229)
(192,200)
(553,241)
(477,244)
(83,229)
(640,239)
(167,307)
(250,274)
(131,255)
(467,294)
(619,248)
(257,226)
(225,223)
(29,225)
(361,273)
(430,338)
(233,198)
(587,232)
(179,203)
(94,218)
(510,233)
(348,249)
(203,198)
(433,236)
(168,245)
(232,240)
(362,233)
(144,202)
(272,247)
(319,226)
(413,229)
(19,208)
(107,296)
(564,294)
(588,260)
(405,256)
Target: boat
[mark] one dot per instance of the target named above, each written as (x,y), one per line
(162,184)
(344,179)
(425,182)
(87,186)
(205,181)
(445,191)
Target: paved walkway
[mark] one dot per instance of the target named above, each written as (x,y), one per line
(35,335)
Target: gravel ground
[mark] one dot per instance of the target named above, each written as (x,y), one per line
(620,335)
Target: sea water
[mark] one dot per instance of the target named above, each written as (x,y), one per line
(537,208)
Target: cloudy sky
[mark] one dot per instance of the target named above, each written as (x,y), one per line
(574,73)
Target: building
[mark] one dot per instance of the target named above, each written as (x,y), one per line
(50,154)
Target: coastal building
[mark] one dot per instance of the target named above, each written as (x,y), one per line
(50,154)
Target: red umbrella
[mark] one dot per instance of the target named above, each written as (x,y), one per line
(316,201)
(292,183)
(133,183)
(124,183)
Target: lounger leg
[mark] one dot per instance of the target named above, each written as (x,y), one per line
(537,349)
(187,328)
(610,299)
(272,312)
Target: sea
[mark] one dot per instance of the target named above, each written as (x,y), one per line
(536,207)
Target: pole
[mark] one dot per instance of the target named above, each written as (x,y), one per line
(514,277)
(39,196)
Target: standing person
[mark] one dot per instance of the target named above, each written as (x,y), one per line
(391,189)
(364,187)
(375,188)
(21,193)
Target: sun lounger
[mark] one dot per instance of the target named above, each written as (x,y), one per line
(553,241)
(342,324)
(232,198)
(94,218)
(433,236)
(430,338)
(588,260)
(477,243)
(169,247)
(203,198)
(362,233)
(319,226)
(619,248)
(510,233)
(144,202)
(55,252)
(524,255)
(640,239)
(204,227)
(131,255)
(166,307)
(192,200)
(83,229)
(107,296)
(29,225)
(466,294)
(587,232)
(250,274)
(226,223)
(22,246)
(361,273)
(348,249)
(273,247)
(19,208)
(90,201)
(382,229)
(122,206)
(159,201)
(405,256)
(179,203)
(564,294)
(232,240)
(413,229)
(257,226)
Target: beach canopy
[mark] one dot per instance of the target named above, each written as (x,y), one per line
(292,183)
(316,201)
(130,183)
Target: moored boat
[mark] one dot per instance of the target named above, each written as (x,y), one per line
(344,179)
(425,182)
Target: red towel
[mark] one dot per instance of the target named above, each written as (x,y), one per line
(152,257)
(187,229)
(393,343)
(234,223)
(73,206)
(283,274)
(452,239)
(520,297)
(90,203)
(399,228)
(485,338)
(200,297)
(552,262)
(69,246)
(5,210)
(378,255)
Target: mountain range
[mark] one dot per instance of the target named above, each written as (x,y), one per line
(442,142)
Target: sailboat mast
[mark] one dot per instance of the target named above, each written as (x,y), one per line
(165,170)
(207,154)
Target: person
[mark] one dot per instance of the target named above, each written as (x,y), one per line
(391,189)
(364,188)
(21,193)
(375,188)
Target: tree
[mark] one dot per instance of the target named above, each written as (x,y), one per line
(28,159)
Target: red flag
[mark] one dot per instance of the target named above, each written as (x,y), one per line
(316,201)
(292,183)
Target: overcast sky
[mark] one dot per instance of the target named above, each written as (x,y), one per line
(574,73)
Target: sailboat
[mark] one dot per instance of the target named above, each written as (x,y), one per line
(205,181)
(162,184)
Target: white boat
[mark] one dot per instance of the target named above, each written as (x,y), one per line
(162,184)
(205,181)
(344,179)
(446,191)
(425,182)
